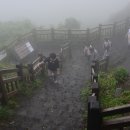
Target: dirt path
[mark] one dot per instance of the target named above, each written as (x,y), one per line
(57,107)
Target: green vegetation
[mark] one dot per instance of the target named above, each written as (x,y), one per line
(26,89)
(121,75)
(109,83)
(4,113)
(85,92)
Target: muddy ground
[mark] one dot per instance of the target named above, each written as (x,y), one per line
(57,106)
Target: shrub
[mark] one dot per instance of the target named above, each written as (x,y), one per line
(12,104)
(85,92)
(120,75)
(4,113)
(107,84)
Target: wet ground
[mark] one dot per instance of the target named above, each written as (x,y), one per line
(57,107)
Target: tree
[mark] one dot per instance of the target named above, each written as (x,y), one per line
(72,23)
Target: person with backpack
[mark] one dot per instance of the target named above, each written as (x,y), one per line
(52,66)
(88,52)
(94,54)
(107,46)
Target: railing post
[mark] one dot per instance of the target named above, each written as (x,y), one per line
(34,34)
(52,34)
(95,89)
(99,32)
(92,68)
(96,66)
(94,121)
(20,71)
(107,63)
(88,34)
(31,72)
(69,34)
(127,24)
(4,98)
(114,30)
(70,53)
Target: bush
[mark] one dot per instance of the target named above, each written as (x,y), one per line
(108,83)
(26,88)
(12,104)
(4,113)
(85,92)
(121,75)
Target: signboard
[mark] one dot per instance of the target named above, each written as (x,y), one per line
(3,54)
(23,50)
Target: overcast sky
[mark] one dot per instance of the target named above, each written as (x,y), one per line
(52,12)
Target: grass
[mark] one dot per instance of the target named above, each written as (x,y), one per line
(26,89)
(108,83)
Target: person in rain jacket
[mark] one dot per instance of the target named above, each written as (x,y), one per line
(107,47)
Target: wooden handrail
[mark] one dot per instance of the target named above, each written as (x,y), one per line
(8,80)
(116,123)
(35,61)
(11,70)
(116,110)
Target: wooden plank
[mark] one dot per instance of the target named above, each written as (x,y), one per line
(117,123)
(8,80)
(7,87)
(12,93)
(116,110)
(35,61)
(16,84)
(11,70)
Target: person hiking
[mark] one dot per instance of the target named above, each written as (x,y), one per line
(107,46)
(94,54)
(88,52)
(52,66)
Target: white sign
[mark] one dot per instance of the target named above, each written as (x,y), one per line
(23,49)
(29,46)
(3,54)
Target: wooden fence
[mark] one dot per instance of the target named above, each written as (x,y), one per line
(94,34)
(10,78)
(96,114)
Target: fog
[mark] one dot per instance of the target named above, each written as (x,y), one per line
(53,12)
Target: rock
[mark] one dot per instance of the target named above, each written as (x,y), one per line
(118,92)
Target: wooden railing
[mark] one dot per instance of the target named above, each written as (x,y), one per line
(96,115)
(10,78)
(93,34)
(66,51)
(122,120)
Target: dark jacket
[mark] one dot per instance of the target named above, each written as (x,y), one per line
(53,65)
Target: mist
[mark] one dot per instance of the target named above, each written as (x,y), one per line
(53,12)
